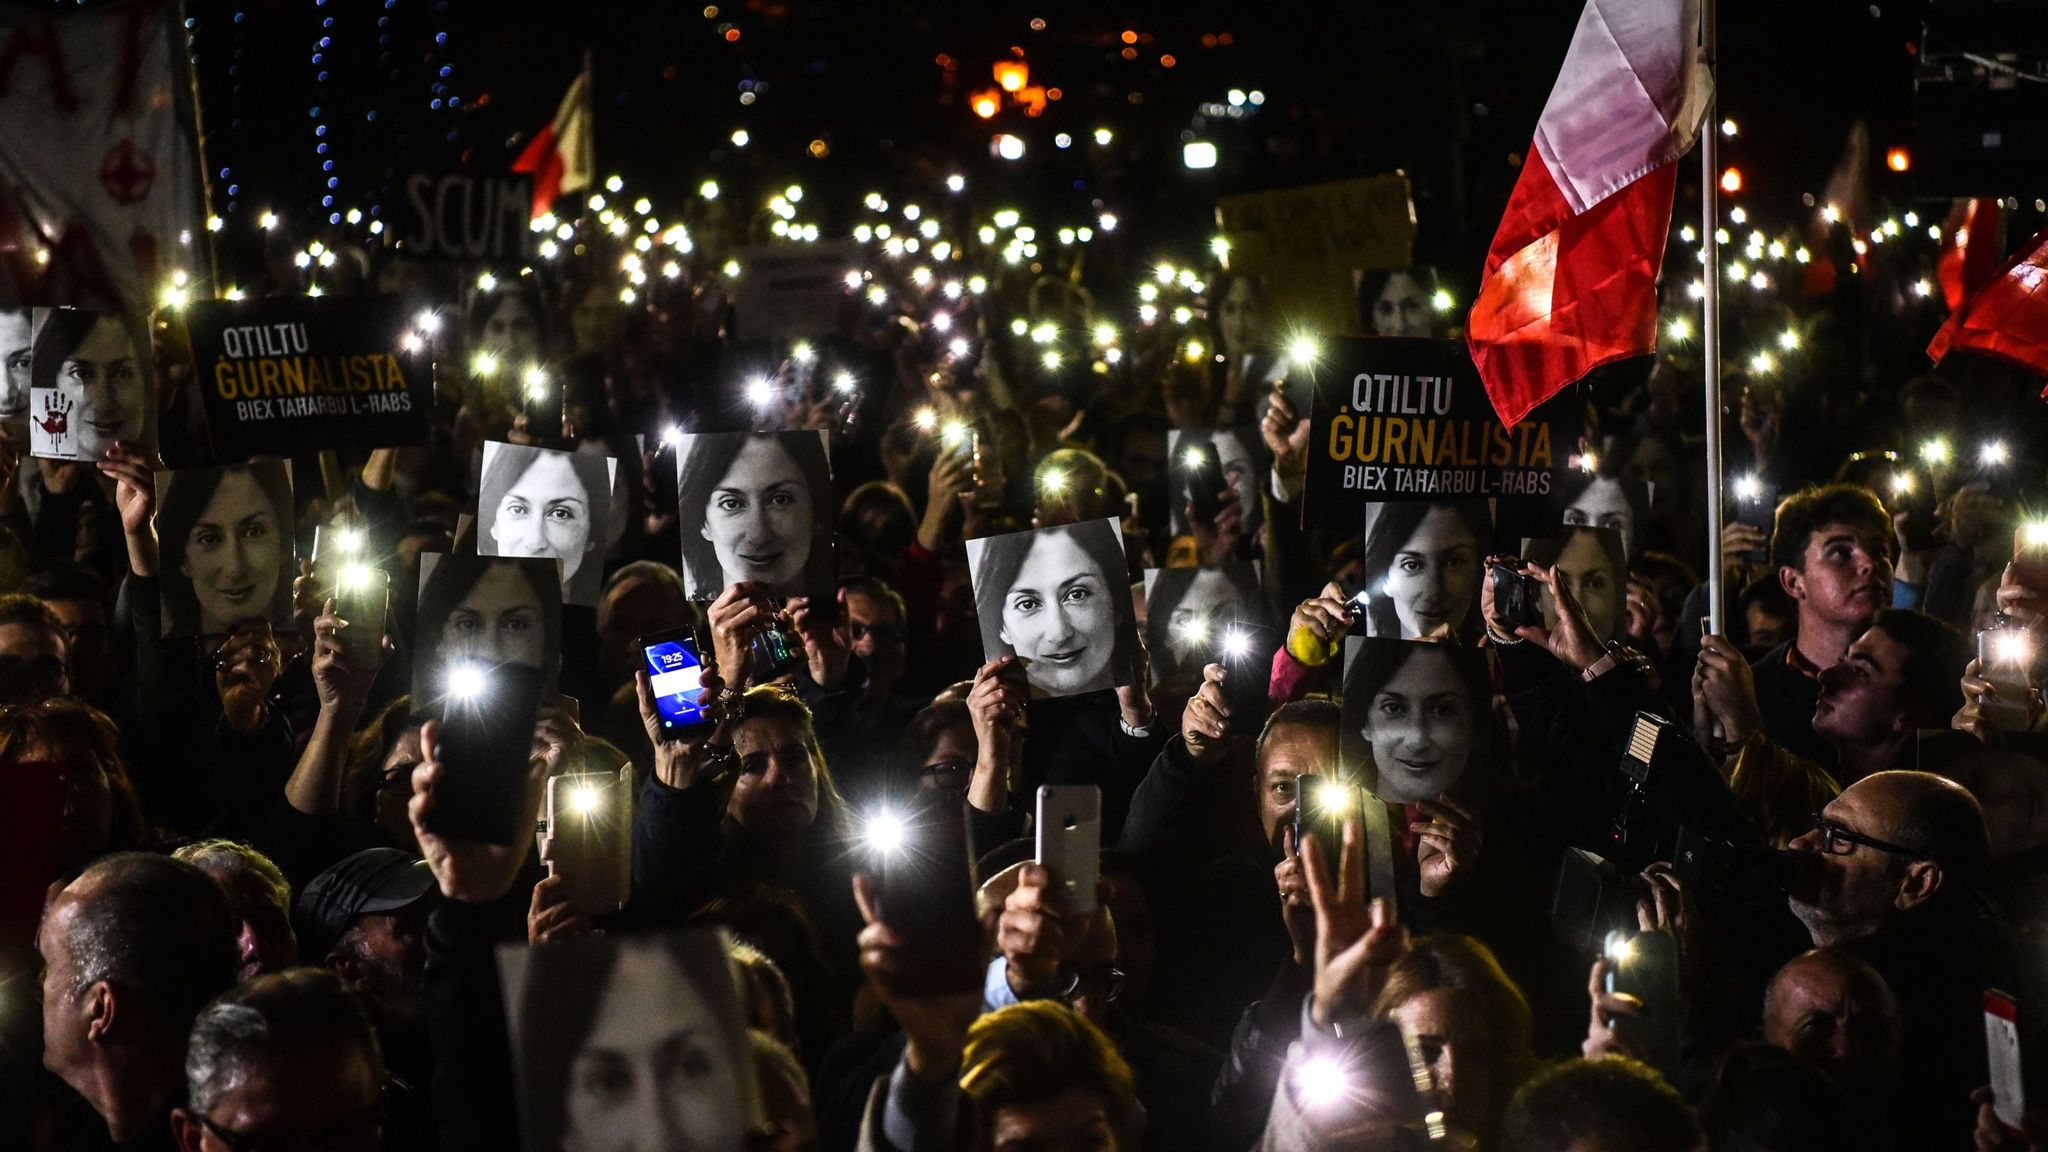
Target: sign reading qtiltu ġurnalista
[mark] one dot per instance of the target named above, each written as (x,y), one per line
(1398,419)
(304,373)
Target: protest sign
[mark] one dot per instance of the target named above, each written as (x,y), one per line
(468,217)
(1308,243)
(792,290)
(1406,419)
(226,535)
(90,384)
(1415,716)
(100,196)
(1059,600)
(303,373)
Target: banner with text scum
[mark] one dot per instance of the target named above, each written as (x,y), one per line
(1406,419)
(302,373)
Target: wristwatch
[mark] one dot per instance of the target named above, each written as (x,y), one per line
(1614,655)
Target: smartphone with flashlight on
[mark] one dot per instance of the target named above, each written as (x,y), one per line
(486,716)
(2030,555)
(675,673)
(2005,658)
(924,868)
(1645,966)
(2002,1046)
(336,545)
(1070,842)
(362,597)
(1321,806)
(540,401)
(1203,484)
(586,838)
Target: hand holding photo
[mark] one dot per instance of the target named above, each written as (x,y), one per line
(90,384)
(540,502)
(1416,716)
(1593,565)
(1059,599)
(226,536)
(756,507)
(1203,464)
(1198,616)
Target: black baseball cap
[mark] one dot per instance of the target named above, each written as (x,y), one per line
(371,881)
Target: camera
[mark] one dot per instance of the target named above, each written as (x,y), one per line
(1515,597)
(1747,874)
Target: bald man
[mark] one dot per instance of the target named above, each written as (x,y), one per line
(1890,874)
(1831,1009)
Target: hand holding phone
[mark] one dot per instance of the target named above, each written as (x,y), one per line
(362,597)
(924,891)
(1070,842)
(485,750)
(1645,966)
(1515,597)
(675,672)
(586,838)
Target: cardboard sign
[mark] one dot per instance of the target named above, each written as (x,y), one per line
(302,373)
(1403,419)
(1308,242)
(792,289)
(467,217)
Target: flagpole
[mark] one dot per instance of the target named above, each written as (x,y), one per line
(1710,330)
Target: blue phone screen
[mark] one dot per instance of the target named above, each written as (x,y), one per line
(677,677)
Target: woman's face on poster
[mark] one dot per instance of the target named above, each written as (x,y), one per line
(1585,568)
(1434,574)
(15,338)
(512,332)
(1401,308)
(1208,604)
(1238,319)
(546,512)
(500,621)
(1420,727)
(760,518)
(104,382)
(1240,467)
(1059,618)
(653,1072)
(234,554)
(1604,504)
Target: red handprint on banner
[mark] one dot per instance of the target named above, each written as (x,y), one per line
(56,418)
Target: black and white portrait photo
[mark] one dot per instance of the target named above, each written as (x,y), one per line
(1593,565)
(1198,616)
(635,1042)
(1422,561)
(1204,463)
(1399,301)
(90,384)
(540,502)
(17,331)
(1621,503)
(1059,599)
(1416,715)
(485,611)
(756,508)
(226,540)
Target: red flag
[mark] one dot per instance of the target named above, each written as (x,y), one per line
(1570,281)
(559,157)
(1969,250)
(2009,318)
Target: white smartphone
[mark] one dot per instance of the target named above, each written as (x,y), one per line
(1070,841)
(2002,1044)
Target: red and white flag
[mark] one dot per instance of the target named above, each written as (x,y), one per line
(100,199)
(560,157)
(2009,318)
(1570,280)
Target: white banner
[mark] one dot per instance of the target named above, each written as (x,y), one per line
(99,177)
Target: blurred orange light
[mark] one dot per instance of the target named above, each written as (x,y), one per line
(1167,61)
(731,34)
(986,104)
(1130,53)
(1898,159)
(1012,75)
(1130,37)
(1731,180)
(1053,93)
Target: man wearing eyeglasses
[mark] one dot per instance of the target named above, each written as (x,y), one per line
(1889,871)
(287,1060)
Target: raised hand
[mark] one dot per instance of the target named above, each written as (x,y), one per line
(1034,935)
(1447,844)
(1205,721)
(934,1026)
(550,917)
(244,670)
(1356,942)
(340,684)
(468,870)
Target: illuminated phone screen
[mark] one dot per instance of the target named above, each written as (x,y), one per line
(677,677)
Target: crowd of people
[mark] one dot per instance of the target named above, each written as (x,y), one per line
(240,916)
